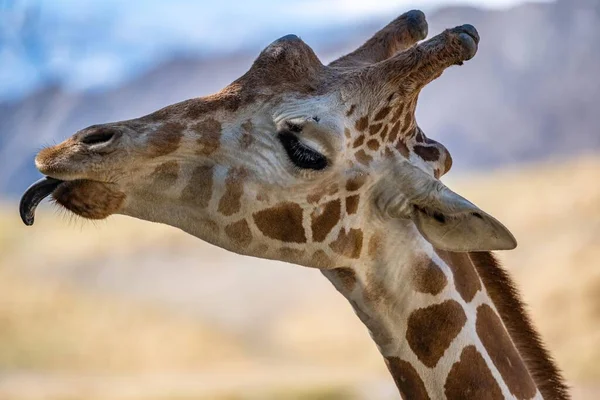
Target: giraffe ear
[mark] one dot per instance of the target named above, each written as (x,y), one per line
(450,222)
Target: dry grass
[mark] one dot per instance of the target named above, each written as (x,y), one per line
(312,347)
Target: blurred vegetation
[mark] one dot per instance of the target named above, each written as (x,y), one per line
(52,326)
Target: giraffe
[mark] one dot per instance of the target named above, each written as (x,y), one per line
(326,167)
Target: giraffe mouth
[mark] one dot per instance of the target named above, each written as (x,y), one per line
(86,198)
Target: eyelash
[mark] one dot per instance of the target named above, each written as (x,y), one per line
(301,155)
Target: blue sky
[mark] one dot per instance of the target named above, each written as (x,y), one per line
(86,44)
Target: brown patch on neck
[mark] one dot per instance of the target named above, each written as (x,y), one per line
(362,123)
(348,243)
(432,329)
(165,175)
(199,190)
(428,277)
(359,141)
(209,131)
(363,158)
(471,379)
(373,129)
(407,379)
(394,131)
(398,113)
(505,297)
(323,223)
(282,222)
(352,204)
(381,114)
(373,144)
(466,278)
(166,139)
(239,233)
(501,350)
(355,183)
(230,203)
(320,259)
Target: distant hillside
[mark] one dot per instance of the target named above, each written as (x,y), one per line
(532,91)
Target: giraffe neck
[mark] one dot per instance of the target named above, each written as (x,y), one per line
(435,324)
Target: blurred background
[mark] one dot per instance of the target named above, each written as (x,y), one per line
(125,309)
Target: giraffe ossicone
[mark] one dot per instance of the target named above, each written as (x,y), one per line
(325,166)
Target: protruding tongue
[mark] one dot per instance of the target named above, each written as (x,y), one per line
(34,195)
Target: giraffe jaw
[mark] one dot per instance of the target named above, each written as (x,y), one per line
(85,198)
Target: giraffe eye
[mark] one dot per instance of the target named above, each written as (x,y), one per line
(301,155)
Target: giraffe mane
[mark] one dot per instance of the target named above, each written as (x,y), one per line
(512,310)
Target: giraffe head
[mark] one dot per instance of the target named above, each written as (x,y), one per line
(295,160)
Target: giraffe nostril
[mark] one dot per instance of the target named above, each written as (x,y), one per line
(98,137)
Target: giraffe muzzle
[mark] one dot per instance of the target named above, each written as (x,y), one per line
(33,197)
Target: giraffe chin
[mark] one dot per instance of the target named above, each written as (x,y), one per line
(89,199)
(85,198)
